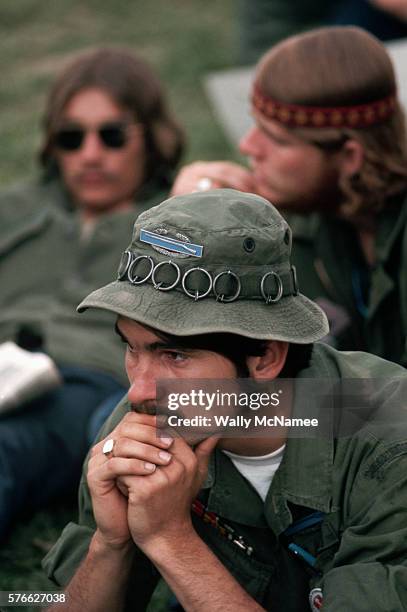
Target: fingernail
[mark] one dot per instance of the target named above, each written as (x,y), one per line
(164,456)
(166,441)
(150,467)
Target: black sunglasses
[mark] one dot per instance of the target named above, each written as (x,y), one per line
(112,135)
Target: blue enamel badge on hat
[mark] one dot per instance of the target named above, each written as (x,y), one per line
(165,242)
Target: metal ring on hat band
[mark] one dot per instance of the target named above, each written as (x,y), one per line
(196,296)
(267,297)
(124,264)
(295,280)
(230,298)
(137,280)
(128,265)
(159,285)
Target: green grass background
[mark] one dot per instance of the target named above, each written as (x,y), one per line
(183,40)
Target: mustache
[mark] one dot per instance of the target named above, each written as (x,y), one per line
(149,407)
(105,175)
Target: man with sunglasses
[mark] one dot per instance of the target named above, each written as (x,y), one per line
(109,150)
(329,149)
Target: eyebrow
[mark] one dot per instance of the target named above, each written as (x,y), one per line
(159,344)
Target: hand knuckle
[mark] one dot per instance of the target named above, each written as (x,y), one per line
(136,466)
(191,466)
(179,468)
(111,467)
(125,430)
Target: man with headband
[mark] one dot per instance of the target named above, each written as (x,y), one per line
(205,291)
(329,149)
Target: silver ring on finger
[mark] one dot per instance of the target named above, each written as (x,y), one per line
(204,184)
(108,446)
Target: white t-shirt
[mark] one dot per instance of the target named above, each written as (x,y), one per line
(259,471)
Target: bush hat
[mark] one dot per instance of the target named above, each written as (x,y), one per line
(212,261)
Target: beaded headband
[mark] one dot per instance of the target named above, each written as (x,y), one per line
(296,115)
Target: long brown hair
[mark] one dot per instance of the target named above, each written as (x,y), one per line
(130,81)
(343,66)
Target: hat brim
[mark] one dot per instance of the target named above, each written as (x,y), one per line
(293,319)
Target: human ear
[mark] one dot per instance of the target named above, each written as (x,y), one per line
(269,365)
(351,157)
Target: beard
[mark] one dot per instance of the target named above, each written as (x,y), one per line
(324,197)
(328,197)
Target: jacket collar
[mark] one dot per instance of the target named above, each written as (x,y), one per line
(303,478)
(391,222)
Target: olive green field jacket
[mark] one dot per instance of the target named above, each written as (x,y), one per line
(47,268)
(344,498)
(366,308)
